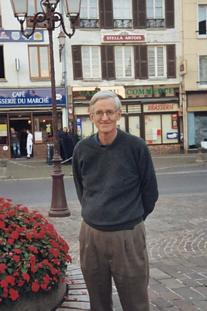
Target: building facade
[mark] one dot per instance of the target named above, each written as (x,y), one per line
(194,73)
(131,47)
(25,93)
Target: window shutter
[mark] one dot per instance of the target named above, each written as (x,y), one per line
(107,62)
(169,14)
(140,54)
(171,61)
(139,13)
(106,14)
(77,64)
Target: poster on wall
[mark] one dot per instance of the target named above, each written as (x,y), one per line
(3,130)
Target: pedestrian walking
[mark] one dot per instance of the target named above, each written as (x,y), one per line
(29,143)
(15,144)
(117,188)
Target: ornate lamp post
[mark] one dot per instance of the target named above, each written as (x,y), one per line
(51,20)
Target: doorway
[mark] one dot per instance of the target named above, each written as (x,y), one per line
(20,125)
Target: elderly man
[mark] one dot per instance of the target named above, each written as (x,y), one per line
(117,189)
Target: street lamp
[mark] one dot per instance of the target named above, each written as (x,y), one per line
(52,20)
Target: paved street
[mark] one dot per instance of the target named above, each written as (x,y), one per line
(176,235)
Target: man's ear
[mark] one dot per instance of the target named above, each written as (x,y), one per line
(119,112)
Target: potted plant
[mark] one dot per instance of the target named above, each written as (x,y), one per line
(33,258)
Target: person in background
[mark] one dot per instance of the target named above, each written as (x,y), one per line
(117,189)
(15,144)
(29,143)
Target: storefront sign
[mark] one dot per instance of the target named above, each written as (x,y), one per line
(123,38)
(150,91)
(86,94)
(161,107)
(16,36)
(15,98)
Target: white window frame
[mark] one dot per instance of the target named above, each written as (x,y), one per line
(154,10)
(202,35)
(120,6)
(92,67)
(38,62)
(201,84)
(156,76)
(123,64)
(88,8)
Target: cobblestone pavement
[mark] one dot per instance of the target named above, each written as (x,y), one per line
(177,246)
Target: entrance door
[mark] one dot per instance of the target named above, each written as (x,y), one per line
(21,125)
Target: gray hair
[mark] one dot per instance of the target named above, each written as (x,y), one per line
(103,95)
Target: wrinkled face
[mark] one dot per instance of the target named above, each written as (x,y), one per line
(105,115)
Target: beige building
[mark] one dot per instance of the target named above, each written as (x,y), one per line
(193,70)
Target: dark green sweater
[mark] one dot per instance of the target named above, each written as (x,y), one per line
(116,184)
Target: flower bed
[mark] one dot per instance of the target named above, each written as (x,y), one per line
(33,257)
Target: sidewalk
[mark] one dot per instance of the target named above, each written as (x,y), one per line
(23,168)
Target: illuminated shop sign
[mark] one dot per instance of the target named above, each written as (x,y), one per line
(16,98)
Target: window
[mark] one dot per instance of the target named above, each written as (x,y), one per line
(155,13)
(91,62)
(39,62)
(156,62)
(3,130)
(89,17)
(2,72)
(160,129)
(203,69)
(202,17)
(124,65)
(34,7)
(122,13)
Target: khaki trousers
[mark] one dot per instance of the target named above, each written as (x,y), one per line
(118,254)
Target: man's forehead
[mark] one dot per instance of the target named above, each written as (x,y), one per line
(106,103)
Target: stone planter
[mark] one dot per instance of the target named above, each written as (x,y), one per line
(41,301)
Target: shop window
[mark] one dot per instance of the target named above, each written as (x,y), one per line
(203,69)
(161,129)
(3,131)
(122,14)
(157,62)
(202,19)
(89,16)
(39,62)
(124,65)
(91,62)
(134,125)
(2,72)
(42,128)
(155,13)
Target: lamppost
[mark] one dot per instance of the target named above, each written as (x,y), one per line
(51,19)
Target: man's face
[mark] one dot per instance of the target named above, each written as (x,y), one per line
(105,115)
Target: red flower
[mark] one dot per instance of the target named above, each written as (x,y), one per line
(10,280)
(16,258)
(25,276)
(14,235)
(2,267)
(2,225)
(35,286)
(14,294)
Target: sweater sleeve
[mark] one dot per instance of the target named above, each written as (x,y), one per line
(77,173)
(149,186)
